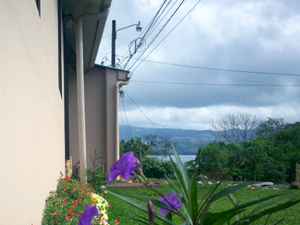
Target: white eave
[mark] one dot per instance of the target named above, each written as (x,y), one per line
(92,29)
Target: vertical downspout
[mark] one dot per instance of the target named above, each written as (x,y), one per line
(117,87)
(80,87)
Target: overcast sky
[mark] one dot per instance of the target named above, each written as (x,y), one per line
(247,35)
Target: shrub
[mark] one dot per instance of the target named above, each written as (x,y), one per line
(67,204)
(154,168)
(214,173)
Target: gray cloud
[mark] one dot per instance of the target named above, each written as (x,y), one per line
(243,35)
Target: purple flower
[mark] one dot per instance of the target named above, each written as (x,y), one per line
(103,159)
(124,166)
(172,202)
(88,214)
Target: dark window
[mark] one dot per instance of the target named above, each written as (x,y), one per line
(38,5)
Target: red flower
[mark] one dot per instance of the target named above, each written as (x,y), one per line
(80,214)
(74,189)
(60,172)
(68,217)
(101,194)
(56,213)
(101,215)
(64,200)
(65,189)
(54,220)
(74,206)
(62,181)
(70,210)
(109,206)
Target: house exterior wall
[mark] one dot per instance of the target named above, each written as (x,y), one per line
(31,110)
(100,112)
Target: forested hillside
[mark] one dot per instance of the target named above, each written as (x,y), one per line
(187,141)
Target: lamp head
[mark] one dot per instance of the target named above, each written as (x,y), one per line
(139,27)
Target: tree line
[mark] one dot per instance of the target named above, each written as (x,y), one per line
(271,149)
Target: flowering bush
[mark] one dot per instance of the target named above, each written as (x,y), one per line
(68,203)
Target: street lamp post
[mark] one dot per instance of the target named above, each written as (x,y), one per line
(114,37)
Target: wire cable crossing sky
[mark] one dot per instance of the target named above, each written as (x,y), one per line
(206,59)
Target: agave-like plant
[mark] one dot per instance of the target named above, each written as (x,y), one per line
(197,212)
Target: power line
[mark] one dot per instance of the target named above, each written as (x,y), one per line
(219,69)
(142,112)
(158,34)
(222,70)
(165,36)
(203,84)
(124,123)
(126,118)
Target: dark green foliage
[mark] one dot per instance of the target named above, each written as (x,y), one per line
(135,145)
(154,168)
(268,158)
(96,175)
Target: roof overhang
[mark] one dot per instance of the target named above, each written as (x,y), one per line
(92,29)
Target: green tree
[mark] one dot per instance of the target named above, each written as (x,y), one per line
(287,142)
(139,148)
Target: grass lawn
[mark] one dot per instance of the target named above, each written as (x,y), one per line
(122,211)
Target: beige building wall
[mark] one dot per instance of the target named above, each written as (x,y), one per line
(101,121)
(31,110)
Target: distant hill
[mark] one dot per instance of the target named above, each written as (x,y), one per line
(188,140)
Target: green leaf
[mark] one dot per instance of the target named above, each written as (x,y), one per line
(274,209)
(178,190)
(192,198)
(219,218)
(139,206)
(154,201)
(227,191)
(228,214)
(143,219)
(262,206)
(182,169)
(235,203)
(179,178)
(169,216)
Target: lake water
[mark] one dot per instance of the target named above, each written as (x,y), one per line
(184,158)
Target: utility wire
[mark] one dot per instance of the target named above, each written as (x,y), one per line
(222,70)
(219,69)
(159,33)
(143,112)
(124,122)
(149,26)
(165,36)
(126,118)
(203,84)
